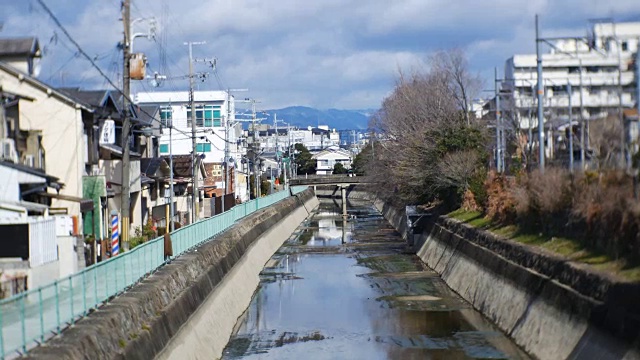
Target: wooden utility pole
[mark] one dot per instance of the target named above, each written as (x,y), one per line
(194,156)
(125,203)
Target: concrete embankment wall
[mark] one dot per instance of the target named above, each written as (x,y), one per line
(551,307)
(188,308)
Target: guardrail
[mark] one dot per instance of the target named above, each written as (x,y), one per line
(32,317)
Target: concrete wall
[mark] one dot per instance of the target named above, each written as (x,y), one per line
(553,308)
(208,330)
(178,298)
(43,274)
(68,254)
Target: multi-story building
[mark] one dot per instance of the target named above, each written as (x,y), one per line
(316,138)
(214,115)
(600,69)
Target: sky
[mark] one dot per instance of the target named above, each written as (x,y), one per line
(343,54)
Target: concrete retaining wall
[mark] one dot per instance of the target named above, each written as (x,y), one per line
(204,292)
(552,308)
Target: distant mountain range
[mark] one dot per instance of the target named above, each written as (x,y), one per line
(302,116)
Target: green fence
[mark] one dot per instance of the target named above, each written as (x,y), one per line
(32,317)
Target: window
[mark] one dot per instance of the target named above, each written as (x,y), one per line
(203,147)
(166,115)
(199,116)
(206,115)
(164,148)
(625,46)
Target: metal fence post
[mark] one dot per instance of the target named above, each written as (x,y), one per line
(84,293)
(1,333)
(71,298)
(41,315)
(22,324)
(95,286)
(55,284)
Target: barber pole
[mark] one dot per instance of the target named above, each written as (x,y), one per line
(115,247)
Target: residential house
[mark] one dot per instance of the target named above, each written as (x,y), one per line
(23,54)
(155,174)
(39,247)
(216,127)
(183,185)
(103,167)
(55,122)
(328,158)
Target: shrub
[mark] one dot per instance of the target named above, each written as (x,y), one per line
(469,202)
(609,213)
(500,203)
(597,209)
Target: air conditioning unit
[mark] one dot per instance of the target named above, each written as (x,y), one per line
(30,160)
(9,152)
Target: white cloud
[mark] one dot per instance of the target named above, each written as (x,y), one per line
(329,53)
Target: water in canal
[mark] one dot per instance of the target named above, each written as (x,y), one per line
(351,289)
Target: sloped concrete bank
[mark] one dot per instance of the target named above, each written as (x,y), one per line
(551,307)
(161,311)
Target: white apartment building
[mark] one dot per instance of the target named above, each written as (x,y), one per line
(316,139)
(213,110)
(595,66)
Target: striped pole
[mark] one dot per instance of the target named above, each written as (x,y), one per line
(115,247)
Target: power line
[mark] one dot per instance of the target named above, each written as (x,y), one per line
(88,58)
(80,50)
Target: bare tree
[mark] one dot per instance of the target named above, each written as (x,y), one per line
(456,169)
(415,123)
(463,85)
(604,138)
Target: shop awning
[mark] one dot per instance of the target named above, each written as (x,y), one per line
(86,205)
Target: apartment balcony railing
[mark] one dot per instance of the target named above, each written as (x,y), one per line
(561,100)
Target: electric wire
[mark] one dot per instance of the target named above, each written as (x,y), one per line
(88,58)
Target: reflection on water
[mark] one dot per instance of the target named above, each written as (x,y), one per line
(363,297)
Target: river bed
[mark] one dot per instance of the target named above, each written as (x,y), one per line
(351,289)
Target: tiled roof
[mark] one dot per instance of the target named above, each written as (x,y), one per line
(18,46)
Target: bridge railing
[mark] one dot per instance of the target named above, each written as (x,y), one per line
(34,316)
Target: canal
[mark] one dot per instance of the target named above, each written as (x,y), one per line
(351,289)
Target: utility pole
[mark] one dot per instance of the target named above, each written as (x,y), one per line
(569,92)
(194,157)
(275,122)
(171,209)
(498,115)
(255,149)
(125,200)
(624,161)
(226,148)
(638,79)
(584,138)
(227,128)
(540,99)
